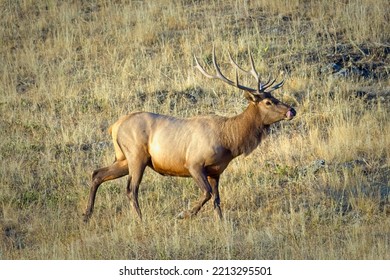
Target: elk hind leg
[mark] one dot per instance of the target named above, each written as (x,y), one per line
(118,169)
(136,172)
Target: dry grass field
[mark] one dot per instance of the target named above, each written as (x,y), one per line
(317,188)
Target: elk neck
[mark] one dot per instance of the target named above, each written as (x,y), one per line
(242,133)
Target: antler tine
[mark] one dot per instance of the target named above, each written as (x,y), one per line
(232,62)
(279,85)
(267,84)
(236,76)
(218,71)
(252,72)
(219,74)
(253,69)
(201,69)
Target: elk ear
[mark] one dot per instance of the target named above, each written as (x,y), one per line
(251,97)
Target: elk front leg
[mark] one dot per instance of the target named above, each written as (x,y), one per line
(201,180)
(214,187)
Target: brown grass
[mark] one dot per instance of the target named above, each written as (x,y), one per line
(68,70)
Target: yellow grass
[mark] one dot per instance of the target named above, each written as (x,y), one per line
(69,70)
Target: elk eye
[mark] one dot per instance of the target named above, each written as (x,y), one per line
(268,103)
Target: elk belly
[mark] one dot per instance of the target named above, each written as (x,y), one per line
(166,161)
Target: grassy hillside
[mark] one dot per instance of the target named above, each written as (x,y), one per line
(317,187)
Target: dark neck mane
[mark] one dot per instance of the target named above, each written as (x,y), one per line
(243,133)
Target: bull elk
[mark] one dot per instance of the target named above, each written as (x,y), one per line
(200,147)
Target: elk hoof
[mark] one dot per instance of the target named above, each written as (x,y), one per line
(86,217)
(218,214)
(184,215)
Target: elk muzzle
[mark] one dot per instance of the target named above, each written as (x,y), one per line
(290,114)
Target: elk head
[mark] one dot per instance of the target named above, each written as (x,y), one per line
(271,109)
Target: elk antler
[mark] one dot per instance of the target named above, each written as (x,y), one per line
(259,92)
(261,87)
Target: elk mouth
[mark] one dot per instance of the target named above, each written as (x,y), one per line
(290,114)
